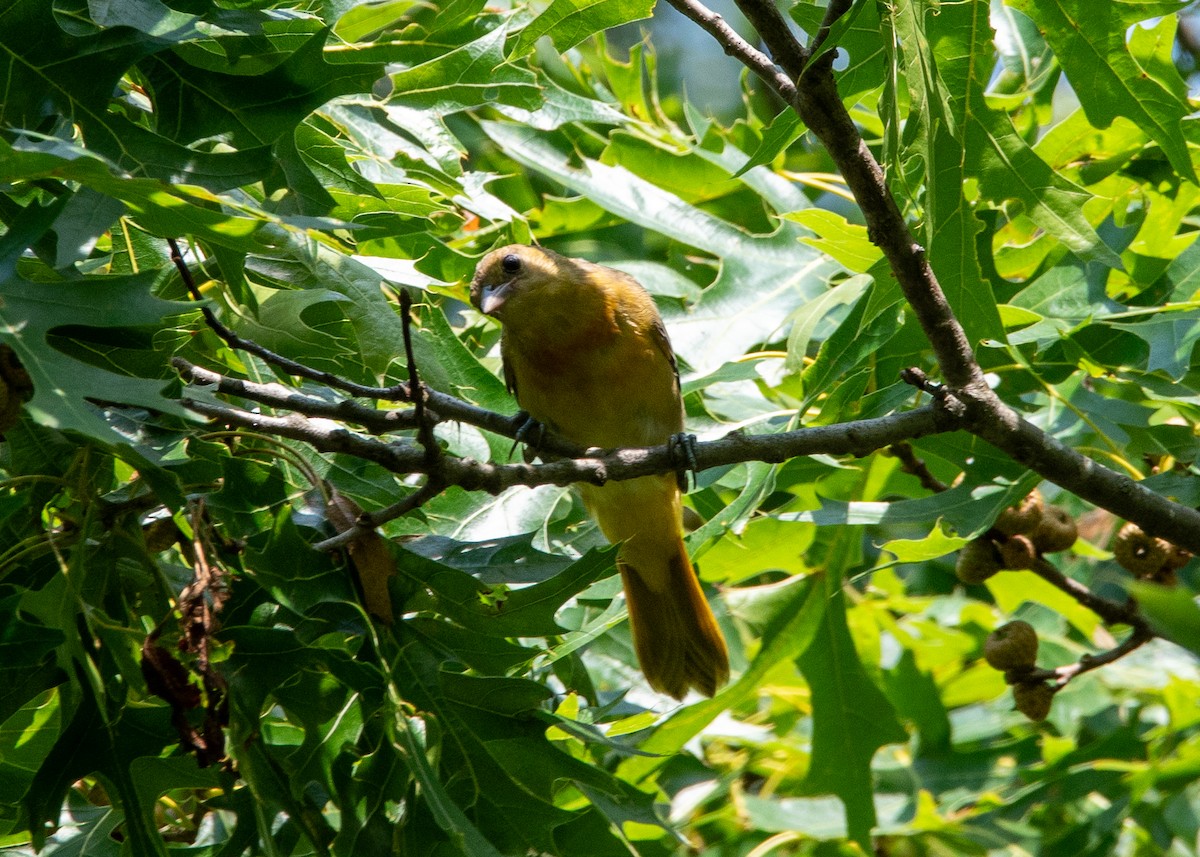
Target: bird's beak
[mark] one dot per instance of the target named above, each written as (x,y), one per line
(493,297)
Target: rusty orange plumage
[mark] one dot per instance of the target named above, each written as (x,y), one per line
(586,353)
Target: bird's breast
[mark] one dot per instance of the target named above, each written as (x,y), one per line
(617,393)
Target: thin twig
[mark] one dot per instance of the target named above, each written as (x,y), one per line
(289,398)
(738,48)
(835,10)
(441,407)
(1059,676)
(425,436)
(916,466)
(377,519)
(395,393)
(1112,612)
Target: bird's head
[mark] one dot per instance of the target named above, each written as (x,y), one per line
(520,274)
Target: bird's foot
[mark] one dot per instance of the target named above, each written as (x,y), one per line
(682,449)
(527,431)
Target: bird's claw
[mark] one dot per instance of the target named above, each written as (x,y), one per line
(528,431)
(682,449)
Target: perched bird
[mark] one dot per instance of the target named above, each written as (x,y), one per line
(586,354)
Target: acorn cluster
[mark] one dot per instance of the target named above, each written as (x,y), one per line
(1012,649)
(1018,539)
(1147,557)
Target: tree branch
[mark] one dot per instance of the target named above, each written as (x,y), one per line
(397,393)
(1059,676)
(441,408)
(596,466)
(785,48)
(968,401)
(738,48)
(1112,612)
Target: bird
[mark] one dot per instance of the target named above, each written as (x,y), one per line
(586,354)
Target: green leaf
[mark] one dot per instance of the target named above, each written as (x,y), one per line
(813,313)
(986,146)
(950,224)
(872,322)
(817,817)
(851,716)
(1089,39)
(560,106)
(968,509)
(445,811)
(1014,588)
(57,71)
(1182,276)
(915,694)
(846,242)
(856,33)
(764,544)
(790,615)
(256,109)
(569,22)
(26,662)
(934,545)
(1028,61)
(64,385)
(28,732)
(530,610)
(470,75)
(501,611)
(1172,337)
(784,130)
(361,21)
(373,340)
(1173,612)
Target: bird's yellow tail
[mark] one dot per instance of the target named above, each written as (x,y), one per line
(675,634)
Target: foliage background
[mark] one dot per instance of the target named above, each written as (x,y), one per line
(316,157)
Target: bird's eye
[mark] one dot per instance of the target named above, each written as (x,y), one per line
(511,263)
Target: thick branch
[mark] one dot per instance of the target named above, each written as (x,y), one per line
(1026,443)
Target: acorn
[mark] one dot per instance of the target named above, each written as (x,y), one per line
(1033,700)
(1056,531)
(1177,557)
(1018,552)
(1140,553)
(1011,647)
(1023,517)
(977,561)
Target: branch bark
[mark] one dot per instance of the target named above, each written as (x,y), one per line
(312,421)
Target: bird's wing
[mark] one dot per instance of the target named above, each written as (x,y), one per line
(658,333)
(510,377)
